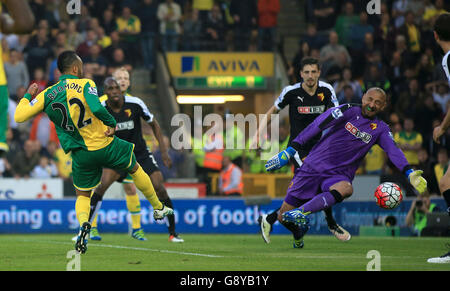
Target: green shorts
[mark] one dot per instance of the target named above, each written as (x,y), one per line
(87,166)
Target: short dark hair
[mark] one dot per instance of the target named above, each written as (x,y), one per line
(66,60)
(109,80)
(309,61)
(442,26)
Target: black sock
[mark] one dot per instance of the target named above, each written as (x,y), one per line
(170,218)
(272,217)
(295,229)
(329,216)
(96,200)
(446,195)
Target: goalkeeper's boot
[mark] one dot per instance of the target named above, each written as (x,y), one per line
(299,243)
(297,217)
(444,259)
(94,234)
(138,234)
(161,213)
(81,243)
(339,232)
(266,228)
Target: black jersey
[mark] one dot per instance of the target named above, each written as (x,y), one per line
(304,108)
(129,122)
(446,66)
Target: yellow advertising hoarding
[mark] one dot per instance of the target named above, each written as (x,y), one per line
(194,64)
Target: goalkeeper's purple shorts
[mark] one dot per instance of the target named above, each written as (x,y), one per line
(307,183)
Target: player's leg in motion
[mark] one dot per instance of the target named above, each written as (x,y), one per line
(144,184)
(108,177)
(336,194)
(134,207)
(297,231)
(161,192)
(444,186)
(82,209)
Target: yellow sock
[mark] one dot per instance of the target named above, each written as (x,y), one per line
(94,222)
(82,208)
(134,207)
(143,183)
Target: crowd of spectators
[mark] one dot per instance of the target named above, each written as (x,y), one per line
(394,50)
(108,35)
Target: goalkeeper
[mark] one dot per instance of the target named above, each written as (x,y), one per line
(330,167)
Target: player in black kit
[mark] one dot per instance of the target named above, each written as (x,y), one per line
(128,112)
(306,100)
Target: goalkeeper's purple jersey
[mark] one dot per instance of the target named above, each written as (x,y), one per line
(348,138)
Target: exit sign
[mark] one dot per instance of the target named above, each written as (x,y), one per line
(221,82)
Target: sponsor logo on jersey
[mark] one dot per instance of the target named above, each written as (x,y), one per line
(300,98)
(337,113)
(364,136)
(127,125)
(311,109)
(92,91)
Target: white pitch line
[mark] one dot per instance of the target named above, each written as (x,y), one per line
(135,248)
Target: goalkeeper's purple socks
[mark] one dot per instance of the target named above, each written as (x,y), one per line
(319,202)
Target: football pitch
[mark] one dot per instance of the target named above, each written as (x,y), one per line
(201,252)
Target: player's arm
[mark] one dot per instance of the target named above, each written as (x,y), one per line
(397,157)
(28,108)
(162,146)
(442,128)
(324,121)
(262,126)
(20,19)
(151,120)
(281,102)
(90,94)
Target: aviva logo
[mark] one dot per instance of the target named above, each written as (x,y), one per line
(190,64)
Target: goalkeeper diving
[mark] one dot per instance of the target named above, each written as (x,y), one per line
(329,169)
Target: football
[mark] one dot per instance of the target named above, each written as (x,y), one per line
(388,195)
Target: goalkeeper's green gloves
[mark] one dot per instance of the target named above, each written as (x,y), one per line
(416,179)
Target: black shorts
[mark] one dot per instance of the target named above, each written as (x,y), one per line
(148,164)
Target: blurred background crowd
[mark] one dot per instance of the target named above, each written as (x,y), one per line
(394,50)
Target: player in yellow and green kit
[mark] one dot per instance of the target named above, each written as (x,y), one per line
(86,129)
(19,21)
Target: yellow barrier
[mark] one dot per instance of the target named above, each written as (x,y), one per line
(273,185)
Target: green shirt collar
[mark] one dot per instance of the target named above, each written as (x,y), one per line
(68,76)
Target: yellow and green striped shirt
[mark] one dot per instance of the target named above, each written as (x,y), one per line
(72,105)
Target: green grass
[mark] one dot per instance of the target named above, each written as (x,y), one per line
(219,253)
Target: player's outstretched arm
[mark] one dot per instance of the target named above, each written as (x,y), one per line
(440,129)
(397,157)
(262,126)
(28,108)
(162,146)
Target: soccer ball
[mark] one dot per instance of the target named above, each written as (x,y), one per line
(388,195)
